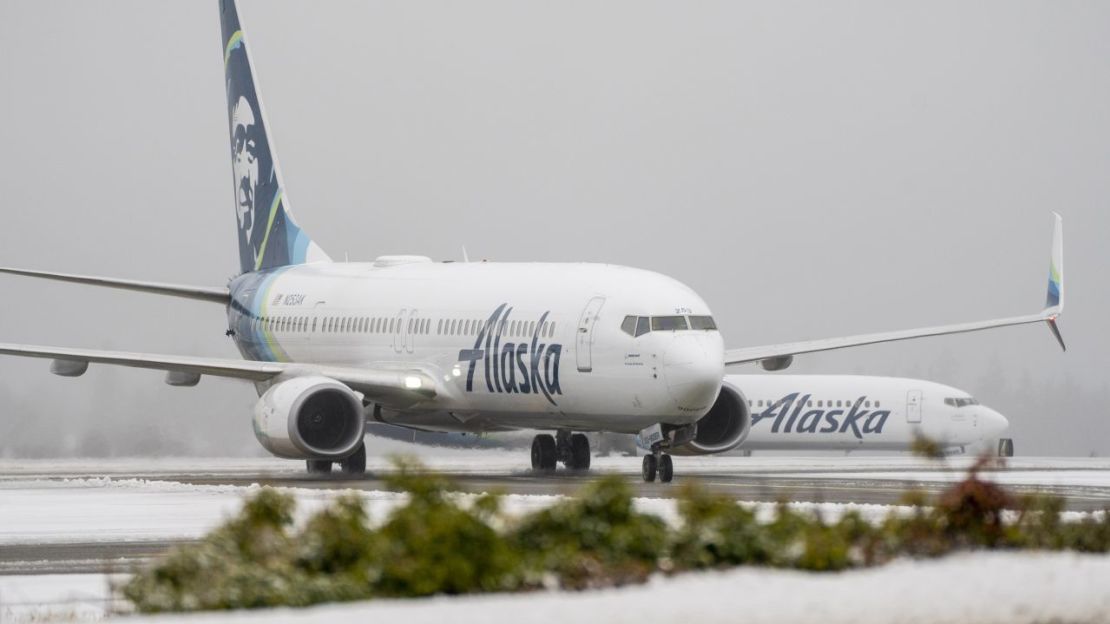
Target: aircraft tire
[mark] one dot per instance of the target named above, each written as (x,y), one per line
(543,452)
(318,466)
(648,469)
(666,468)
(355,464)
(1006,447)
(579,452)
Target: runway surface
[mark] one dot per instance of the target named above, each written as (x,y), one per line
(110,515)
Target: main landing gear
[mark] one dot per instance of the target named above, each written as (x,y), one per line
(571,449)
(658,464)
(353,465)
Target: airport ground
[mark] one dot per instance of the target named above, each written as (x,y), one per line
(65,516)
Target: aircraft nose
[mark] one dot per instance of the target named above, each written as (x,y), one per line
(693,366)
(994,424)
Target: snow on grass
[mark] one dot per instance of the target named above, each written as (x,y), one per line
(103,509)
(1007,588)
(55,597)
(110,510)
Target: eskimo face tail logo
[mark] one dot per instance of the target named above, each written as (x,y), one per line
(268,236)
(787,420)
(257,189)
(528,367)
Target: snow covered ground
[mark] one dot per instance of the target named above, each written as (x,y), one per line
(1007,588)
(122,510)
(57,502)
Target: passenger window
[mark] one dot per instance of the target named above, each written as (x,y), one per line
(628,326)
(867,404)
(668,323)
(702,322)
(876,404)
(643,326)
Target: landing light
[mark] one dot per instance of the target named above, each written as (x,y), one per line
(413,382)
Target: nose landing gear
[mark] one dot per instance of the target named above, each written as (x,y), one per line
(573,450)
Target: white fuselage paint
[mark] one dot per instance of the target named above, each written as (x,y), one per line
(424,316)
(906,408)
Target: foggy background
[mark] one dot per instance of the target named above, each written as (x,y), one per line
(811,169)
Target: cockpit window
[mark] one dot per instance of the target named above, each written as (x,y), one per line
(628,326)
(702,322)
(637,326)
(668,323)
(960,402)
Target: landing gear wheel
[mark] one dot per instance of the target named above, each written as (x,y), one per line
(543,452)
(355,464)
(1006,447)
(666,469)
(648,468)
(579,452)
(318,466)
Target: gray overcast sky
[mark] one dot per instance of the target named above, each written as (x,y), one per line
(811,168)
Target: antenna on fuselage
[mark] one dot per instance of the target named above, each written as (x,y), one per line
(466,257)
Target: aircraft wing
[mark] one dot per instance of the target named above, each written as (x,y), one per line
(776,357)
(389,386)
(202,293)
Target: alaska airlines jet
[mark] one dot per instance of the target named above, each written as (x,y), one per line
(454,346)
(818,412)
(856,412)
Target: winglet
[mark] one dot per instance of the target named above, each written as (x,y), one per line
(1054,303)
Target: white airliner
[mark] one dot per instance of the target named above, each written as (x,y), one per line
(857,412)
(820,413)
(455,346)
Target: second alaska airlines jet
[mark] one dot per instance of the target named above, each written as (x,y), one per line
(455,346)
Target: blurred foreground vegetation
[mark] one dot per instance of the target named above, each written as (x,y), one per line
(435,545)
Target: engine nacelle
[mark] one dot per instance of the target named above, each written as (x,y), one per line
(724,428)
(309,418)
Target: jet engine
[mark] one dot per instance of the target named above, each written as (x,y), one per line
(309,418)
(723,428)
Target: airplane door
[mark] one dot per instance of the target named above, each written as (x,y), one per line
(398,336)
(585,335)
(913,406)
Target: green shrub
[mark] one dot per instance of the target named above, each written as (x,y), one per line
(433,545)
(242,564)
(594,539)
(717,532)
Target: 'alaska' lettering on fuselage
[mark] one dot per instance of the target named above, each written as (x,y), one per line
(530,367)
(787,420)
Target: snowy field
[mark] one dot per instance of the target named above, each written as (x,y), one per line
(1003,588)
(60,502)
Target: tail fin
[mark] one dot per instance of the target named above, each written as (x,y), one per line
(268,235)
(1054,303)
